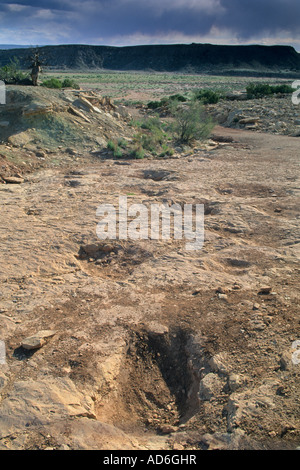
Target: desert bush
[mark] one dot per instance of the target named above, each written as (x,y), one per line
(70,83)
(166,101)
(151,124)
(152,135)
(284,88)
(122,143)
(260,90)
(137,152)
(52,83)
(118,153)
(178,97)
(114,147)
(158,104)
(166,151)
(111,145)
(207,96)
(11,73)
(56,83)
(191,122)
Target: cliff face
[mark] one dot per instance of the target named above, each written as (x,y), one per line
(205,58)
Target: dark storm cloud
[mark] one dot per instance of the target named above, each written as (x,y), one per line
(250,18)
(52,4)
(151,17)
(100,21)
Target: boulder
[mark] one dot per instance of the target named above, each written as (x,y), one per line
(220,363)
(211,386)
(13,179)
(37,340)
(78,113)
(20,139)
(36,108)
(249,120)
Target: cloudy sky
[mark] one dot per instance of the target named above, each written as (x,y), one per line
(130,22)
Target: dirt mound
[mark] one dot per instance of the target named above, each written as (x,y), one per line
(46,118)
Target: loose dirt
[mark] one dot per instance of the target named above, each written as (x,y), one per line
(155,346)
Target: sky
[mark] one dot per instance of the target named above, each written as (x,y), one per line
(133,22)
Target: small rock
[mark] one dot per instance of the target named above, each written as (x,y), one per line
(235,381)
(38,340)
(168,429)
(33,342)
(157,330)
(286,360)
(90,250)
(178,447)
(222,296)
(283,391)
(264,290)
(258,325)
(249,120)
(210,386)
(13,180)
(40,154)
(236,286)
(220,363)
(221,290)
(71,151)
(64,447)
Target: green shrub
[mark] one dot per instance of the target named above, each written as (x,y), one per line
(260,90)
(152,124)
(118,153)
(166,151)
(138,152)
(165,102)
(56,83)
(207,96)
(122,143)
(151,135)
(284,88)
(115,149)
(111,145)
(11,73)
(191,123)
(158,104)
(52,83)
(178,97)
(70,83)
(135,123)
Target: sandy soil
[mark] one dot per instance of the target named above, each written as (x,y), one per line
(155,347)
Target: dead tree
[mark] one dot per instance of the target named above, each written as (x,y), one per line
(36,62)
